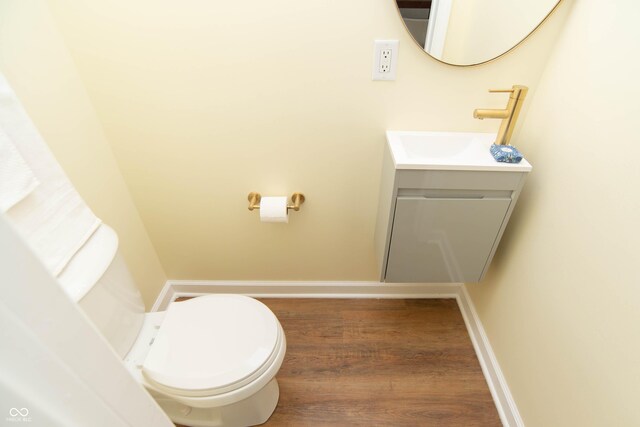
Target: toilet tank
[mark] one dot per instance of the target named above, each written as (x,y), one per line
(99,280)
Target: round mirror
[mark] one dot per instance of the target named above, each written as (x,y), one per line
(470,32)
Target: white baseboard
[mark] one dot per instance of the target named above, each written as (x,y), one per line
(289,289)
(500,392)
(498,386)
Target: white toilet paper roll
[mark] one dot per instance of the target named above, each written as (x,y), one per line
(273,209)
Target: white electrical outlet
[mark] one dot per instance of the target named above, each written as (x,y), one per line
(385,59)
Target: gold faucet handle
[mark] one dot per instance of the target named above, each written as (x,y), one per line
(517,91)
(514,89)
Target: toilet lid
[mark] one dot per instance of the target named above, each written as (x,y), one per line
(212,342)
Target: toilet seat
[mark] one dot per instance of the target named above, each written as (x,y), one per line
(213,345)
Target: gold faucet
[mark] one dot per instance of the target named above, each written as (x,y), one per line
(509,115)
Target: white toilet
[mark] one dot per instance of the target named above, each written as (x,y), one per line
(208,361)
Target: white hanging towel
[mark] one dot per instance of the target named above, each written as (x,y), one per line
(53,218)
(16,178)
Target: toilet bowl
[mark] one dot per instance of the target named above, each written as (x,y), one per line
(211,360)
(207,361)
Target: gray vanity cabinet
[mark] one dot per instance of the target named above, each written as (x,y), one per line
(439,226)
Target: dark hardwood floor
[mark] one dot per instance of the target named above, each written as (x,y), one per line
(378,362)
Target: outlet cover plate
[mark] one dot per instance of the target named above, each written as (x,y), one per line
(385,67)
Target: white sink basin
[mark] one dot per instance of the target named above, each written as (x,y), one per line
(447,151)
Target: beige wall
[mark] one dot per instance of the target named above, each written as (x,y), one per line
(38,66)
(203,103)
(561,303)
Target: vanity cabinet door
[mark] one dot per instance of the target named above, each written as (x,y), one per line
(439,240)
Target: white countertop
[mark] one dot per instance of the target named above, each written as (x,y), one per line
(447,151)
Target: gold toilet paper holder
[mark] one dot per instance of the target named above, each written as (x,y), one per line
(296,200)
